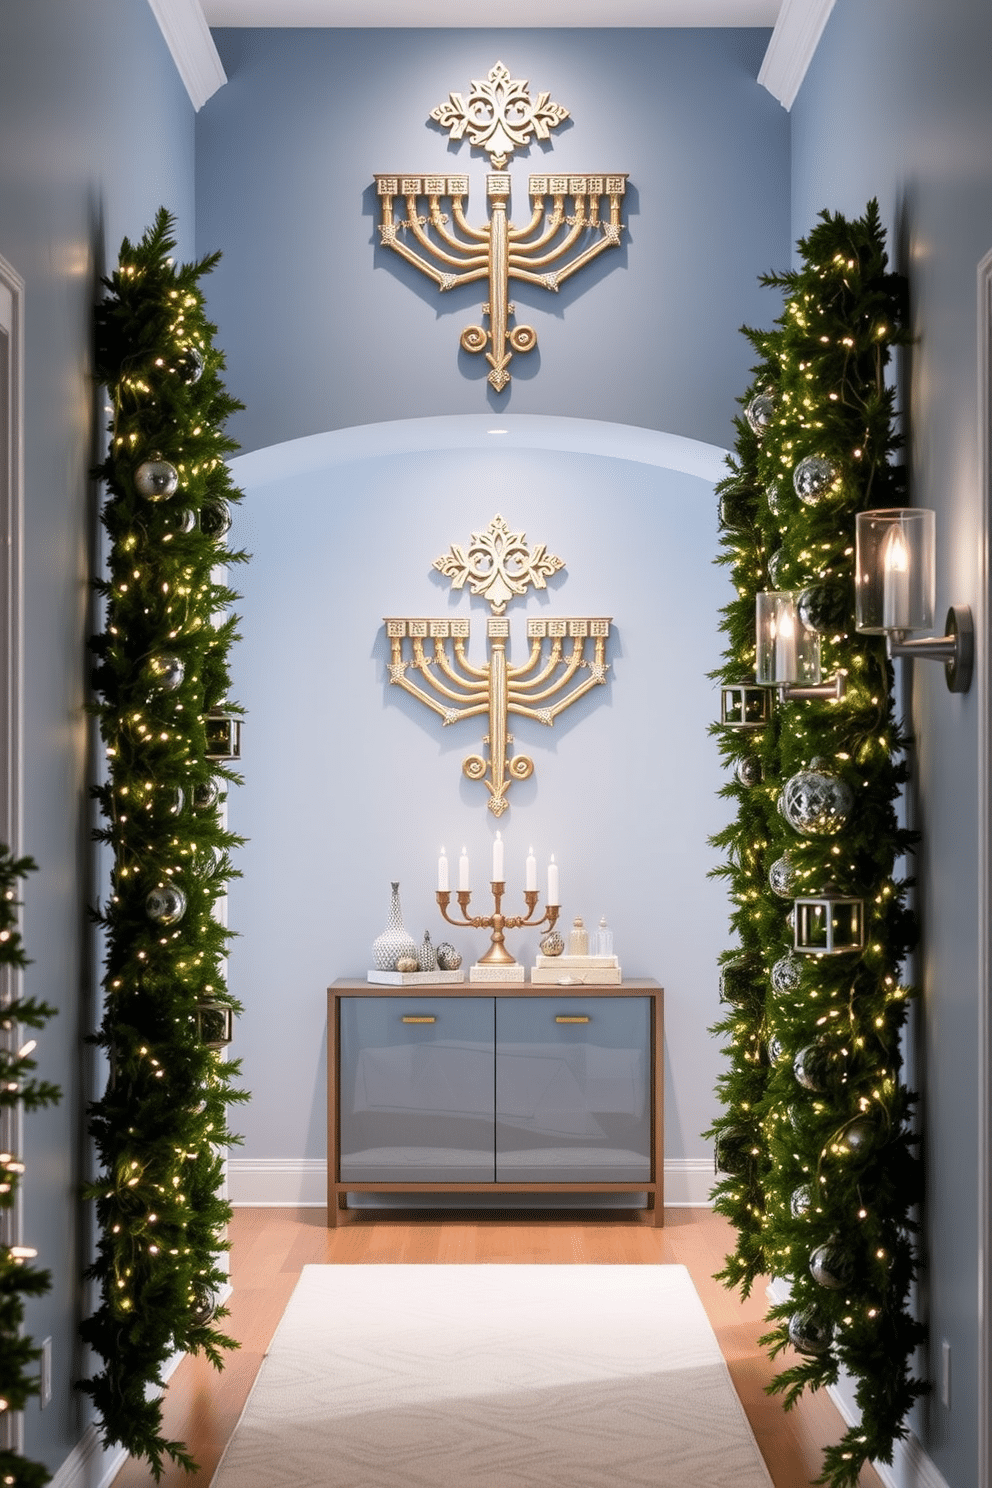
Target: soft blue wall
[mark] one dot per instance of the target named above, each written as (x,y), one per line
(323,329)
(351,783)
(96,132)
(897,104)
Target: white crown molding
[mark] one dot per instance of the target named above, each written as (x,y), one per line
(188,38)
(794,41)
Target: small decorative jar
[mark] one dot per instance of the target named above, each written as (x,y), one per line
(578,939)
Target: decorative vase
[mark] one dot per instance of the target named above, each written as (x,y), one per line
(394,941)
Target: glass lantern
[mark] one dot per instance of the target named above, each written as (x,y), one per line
(223,732)
(787,651)
(829,924)
(214,1024)
(894,570)
(745,706)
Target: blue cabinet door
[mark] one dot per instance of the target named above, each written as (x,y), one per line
(573,1096)
(417,1096)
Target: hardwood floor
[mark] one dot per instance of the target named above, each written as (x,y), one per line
(270,1247)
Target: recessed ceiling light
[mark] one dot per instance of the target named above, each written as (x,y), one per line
(497,431)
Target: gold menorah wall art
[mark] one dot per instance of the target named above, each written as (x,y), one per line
(574,217)
(566,656)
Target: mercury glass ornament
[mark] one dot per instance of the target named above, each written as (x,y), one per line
(188,365)
(814,477)
(810,1334)
(552,944)
(787,974)
(215,518)
(426,954)
(813,1066)
(165,905)
(817,804)
(829,1266)
(858,1135)
(801,1202)
(760,412)
(177,801)
(773,495)
(748,772)
(774,569)
(203,1306)
(185,521)
(776,1049)
(822,607)
(448,959)
(168,671)
(205,795)
(156,479)
(782,876)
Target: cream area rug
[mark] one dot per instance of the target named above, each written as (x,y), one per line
(496,1376)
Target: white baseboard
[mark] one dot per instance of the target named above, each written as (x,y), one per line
(90,1464)
(283,1182)
(911,1467)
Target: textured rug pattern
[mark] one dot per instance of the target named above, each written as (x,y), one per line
(496,1376)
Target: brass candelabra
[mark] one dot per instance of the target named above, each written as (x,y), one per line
(497,957)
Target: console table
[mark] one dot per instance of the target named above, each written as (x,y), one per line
(495,1088)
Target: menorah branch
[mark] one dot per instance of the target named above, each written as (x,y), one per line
(497,954)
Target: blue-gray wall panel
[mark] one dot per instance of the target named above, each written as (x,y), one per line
(897,105)
(96,131)
(324,329)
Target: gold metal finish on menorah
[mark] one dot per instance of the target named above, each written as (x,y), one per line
(566,656)
(497,957)
(554,244)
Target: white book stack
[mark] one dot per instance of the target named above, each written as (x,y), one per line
(575,970)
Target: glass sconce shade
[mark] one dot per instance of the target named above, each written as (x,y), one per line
(787,651)
(829,924)
(745,706)
(895,575)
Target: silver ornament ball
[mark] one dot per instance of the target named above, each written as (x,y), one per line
(801,1202)
(773,495)
(782,877)
(810,1334)
(816,804)
(165,905)
(829,1267)
(156,479)
(760,412)
(787,974)
(215,518)
(748,772)
(448,959)
(814,477)
(167,671)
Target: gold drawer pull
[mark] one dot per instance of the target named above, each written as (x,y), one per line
(406,1019)
(570,1018)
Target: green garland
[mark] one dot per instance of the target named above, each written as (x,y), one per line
(162,680)
(18,1381)
(815,1144)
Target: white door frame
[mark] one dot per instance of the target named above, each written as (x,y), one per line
(984,680)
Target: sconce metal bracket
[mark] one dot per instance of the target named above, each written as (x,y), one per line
(956,649)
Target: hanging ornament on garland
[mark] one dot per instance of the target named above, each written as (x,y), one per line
(760,412)
(782,877)
(748,772)
(814,478)
(817,804)
(156,479)
(810,1334)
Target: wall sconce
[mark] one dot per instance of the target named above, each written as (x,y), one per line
(829,924)
(895,586)
(788,654)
